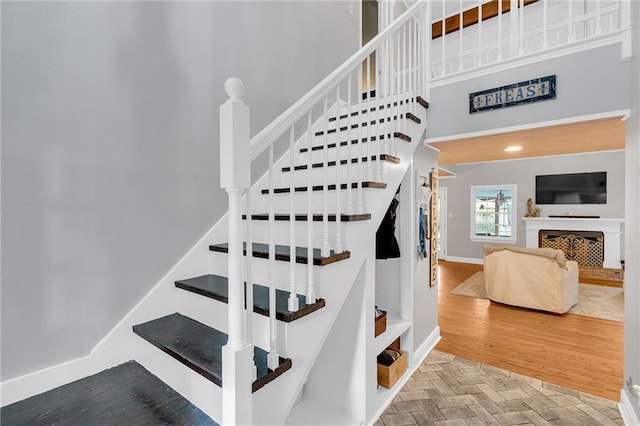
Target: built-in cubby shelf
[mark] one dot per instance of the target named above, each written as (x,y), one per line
(396,326)
(385,396)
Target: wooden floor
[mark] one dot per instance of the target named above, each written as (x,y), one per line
(581,353)
(127,394)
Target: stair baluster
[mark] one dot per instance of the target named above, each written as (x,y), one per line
(368,122)
(404,79)
(379,127)
(444,39)
(570,29)
(293,303)
(311,292)
(480,32)
(396,107)
(460,38)
(272,358)
(416,91)
(349,162)
(425,51)
(412,66)
(419,69)
(388,98)
(419,47)
(519,10)
(249,279)
(339,243)
(359,172)
(409,71)
(325,183)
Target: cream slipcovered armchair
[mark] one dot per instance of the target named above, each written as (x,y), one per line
(536,278)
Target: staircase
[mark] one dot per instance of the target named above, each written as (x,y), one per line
(304,233)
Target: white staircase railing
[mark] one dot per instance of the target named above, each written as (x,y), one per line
(512,29)
(400,54)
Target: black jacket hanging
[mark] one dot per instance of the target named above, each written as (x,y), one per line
(386,242)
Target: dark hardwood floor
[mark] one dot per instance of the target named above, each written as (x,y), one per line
(124,395)
(578,352)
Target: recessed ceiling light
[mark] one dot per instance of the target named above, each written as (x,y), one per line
(513,148)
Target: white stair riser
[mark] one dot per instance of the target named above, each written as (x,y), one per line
(376,132)
(282,236)
(281,272)
(199,391)
(260,203)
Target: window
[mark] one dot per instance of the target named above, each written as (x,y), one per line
(493,213)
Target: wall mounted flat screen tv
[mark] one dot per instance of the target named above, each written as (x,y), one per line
(573,188)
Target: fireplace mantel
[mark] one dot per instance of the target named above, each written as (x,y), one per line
(611,227)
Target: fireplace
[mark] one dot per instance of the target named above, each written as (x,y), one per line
(585,247)
(593,242)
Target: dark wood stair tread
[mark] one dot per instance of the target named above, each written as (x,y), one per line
(398,135)
(261,250)
(422,102)
(217,287)
(402,136)
(316,217)
(332,187)
(123,395)
(383,157)
(411,116)
(200,347)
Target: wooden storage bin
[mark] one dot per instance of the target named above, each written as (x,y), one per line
(381,324)
(388,376)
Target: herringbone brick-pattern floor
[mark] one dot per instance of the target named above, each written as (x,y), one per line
(448,390)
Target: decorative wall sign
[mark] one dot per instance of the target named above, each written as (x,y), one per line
(434,228)
(514,94)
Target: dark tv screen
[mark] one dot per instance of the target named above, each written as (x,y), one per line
(574,188)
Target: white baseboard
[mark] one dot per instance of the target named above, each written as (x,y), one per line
(464,260)
(425,348)
(23,387)
(418,356)
(625,406)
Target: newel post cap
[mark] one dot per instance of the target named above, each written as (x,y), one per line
(234,88)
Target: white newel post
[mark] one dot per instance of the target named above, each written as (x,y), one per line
(235,178)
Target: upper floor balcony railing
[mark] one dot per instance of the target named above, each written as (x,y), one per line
(500,31)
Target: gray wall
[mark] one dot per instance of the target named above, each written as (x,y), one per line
(110,146)
(632,248)
(425,298)
(588,82)
(522,173)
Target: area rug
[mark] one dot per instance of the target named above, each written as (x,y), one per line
(597,301)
